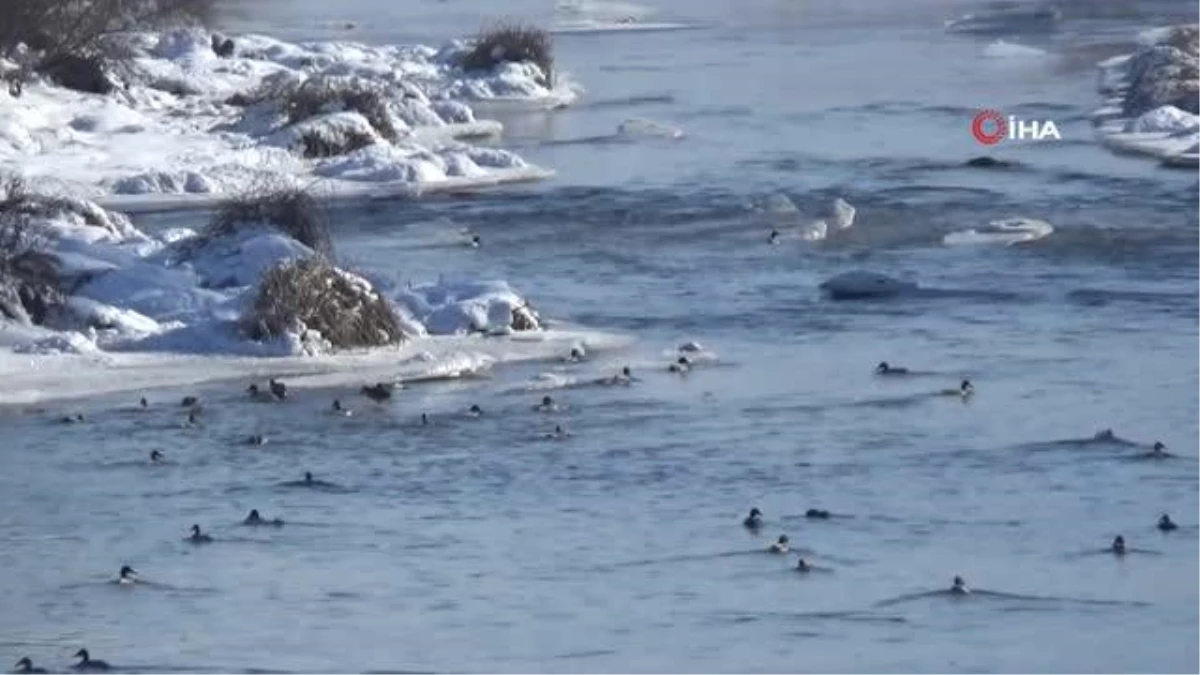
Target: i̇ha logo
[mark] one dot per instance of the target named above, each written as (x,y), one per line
(990,127)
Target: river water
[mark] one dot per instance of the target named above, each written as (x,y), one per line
(476,544)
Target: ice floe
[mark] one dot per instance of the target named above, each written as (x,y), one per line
(1006,232)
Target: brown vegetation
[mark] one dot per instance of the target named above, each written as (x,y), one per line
(512,43)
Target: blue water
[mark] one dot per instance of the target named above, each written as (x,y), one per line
(478,545)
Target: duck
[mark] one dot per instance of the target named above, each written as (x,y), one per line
(127,576)
(1104,435)
(1166,524)
(198,537)
(156,457)
(773,238)
(72,419)
(884,368)
(143,402)
(1118,545)
(547,405)
(558,433)
(965,390)
(576,355)
(189,401)
(256,519)
(256,439)
(475,410)
(25,665)
(1158,451)
(338,409)
(192,419)
(424,419)
(682,365)
(959,587)
(819,514)
(278,389)
(86,662)
(803,565)
(754,520)
(378,392)
(780,545)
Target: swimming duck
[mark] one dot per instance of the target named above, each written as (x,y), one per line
(338,409)
(754,520)
(188,401)
(681,365)
(803,565)
(959,587)
(198,537)
(192,419)
(1118,545)
(256,519)
(424,419)
(25,665)
(1166,524)
(475,410)
(780,545)
(1104,435)
(558,433)
(547,405)
(378,392)
(965,390)
(86,662)
(774,237)
(884,368)
(72,419)
(278,389)
(127,576)
(1158,450)
(820,514)
(156,456)
(576,355)
(144,403)
(256,439)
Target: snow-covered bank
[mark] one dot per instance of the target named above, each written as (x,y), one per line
(187,122)
(1153,97)
(105,298)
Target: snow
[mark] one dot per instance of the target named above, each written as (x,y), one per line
(170,130)
(1167,119)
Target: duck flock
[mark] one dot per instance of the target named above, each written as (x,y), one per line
(380,393)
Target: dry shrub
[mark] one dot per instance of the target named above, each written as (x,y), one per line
(316,145)
(314,294)
(29,278)
(289,209)
(511,43)
(60,27)
(321,94)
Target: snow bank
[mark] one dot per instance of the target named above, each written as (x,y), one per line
(1153,96)
(188,293)
(1001,49)
(189,123)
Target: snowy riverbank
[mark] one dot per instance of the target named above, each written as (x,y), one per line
(1152,97)
(192,117)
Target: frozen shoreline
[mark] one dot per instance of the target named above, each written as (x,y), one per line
(1140,115)
(187,122)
